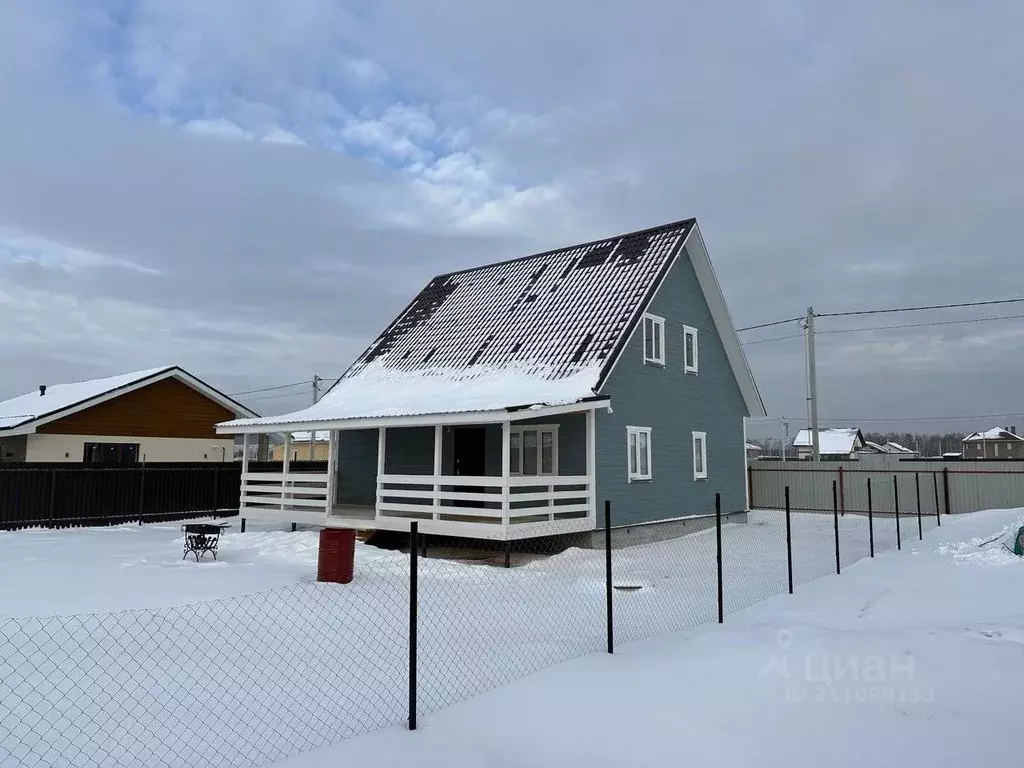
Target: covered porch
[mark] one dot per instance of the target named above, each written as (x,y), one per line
(498,475)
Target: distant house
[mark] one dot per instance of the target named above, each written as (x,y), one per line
(996,443)
(157,415)
(833,444)
(889,449)
(753,451)
(512,400)
(300,447)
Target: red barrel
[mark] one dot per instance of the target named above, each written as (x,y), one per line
(337,555)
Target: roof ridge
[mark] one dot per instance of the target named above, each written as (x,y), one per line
(568,246)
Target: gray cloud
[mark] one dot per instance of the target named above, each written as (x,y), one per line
(842,157)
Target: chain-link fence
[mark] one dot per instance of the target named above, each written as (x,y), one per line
(246,681)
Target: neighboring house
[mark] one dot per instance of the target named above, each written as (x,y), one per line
(157,415)
(753,451)
(512,400)
(997,443)
(833,444)
(300,447)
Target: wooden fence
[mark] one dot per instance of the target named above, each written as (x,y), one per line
(62,495)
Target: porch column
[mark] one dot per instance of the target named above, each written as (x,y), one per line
(286,460)
(506,469)
(333,436)
(438,455)
(592,462)
(382,439)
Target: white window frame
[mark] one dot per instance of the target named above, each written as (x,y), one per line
(703,437)
(689,330)
(659,354)
(519,429)
(631,433)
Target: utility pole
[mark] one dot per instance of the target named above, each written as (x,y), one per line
(312,432)
(812,385)
(785,426)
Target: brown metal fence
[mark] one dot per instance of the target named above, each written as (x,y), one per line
(943,487)
(64,495)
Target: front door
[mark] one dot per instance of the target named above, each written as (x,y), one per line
(468,454)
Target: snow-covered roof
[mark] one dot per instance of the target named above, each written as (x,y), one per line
(996,433)
(897,448)
(831,442)
(303,437)
(505,335)
(752,447)
(22,411)
(380,392)
(876,447)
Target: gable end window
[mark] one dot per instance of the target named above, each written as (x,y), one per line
(638,453)
(700,455)
(689,349)
(654,340)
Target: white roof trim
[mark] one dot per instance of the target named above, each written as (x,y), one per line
(419,420)
(713,295)
(171,372)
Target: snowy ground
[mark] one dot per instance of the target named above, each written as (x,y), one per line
(914,659)
(118,653)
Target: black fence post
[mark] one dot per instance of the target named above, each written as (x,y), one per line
(53,493)
(871,521)
(294,527)
(945,486)
(608,575)
(896,509)
(243,526)
(917,482)
(718,543)
(413,598)
(938,513)
(142,493)
(835,521)
(789,544)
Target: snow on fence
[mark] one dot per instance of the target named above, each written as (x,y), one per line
(250,680)
(945,486)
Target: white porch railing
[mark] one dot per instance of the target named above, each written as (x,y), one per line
(485,500)
(301,494)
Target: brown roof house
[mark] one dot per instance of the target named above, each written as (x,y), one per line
(997,443)
(157,415)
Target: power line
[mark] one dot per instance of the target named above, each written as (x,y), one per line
(846,419)
(917,325)
(774,338)
(769,325)
(269,389)
(919,309)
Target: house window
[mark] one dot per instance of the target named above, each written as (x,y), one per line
(638,447)
(700,455)
(533,450)
(654,339)
(995,449)
(689,349)
(111,454)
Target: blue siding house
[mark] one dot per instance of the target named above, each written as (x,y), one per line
(512,400)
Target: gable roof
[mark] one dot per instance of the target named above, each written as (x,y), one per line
(22,414)
(996,433)
(542,329)
(831,442)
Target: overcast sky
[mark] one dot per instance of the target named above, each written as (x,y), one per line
(252,188)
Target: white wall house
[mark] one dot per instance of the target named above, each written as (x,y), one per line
(156,415)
